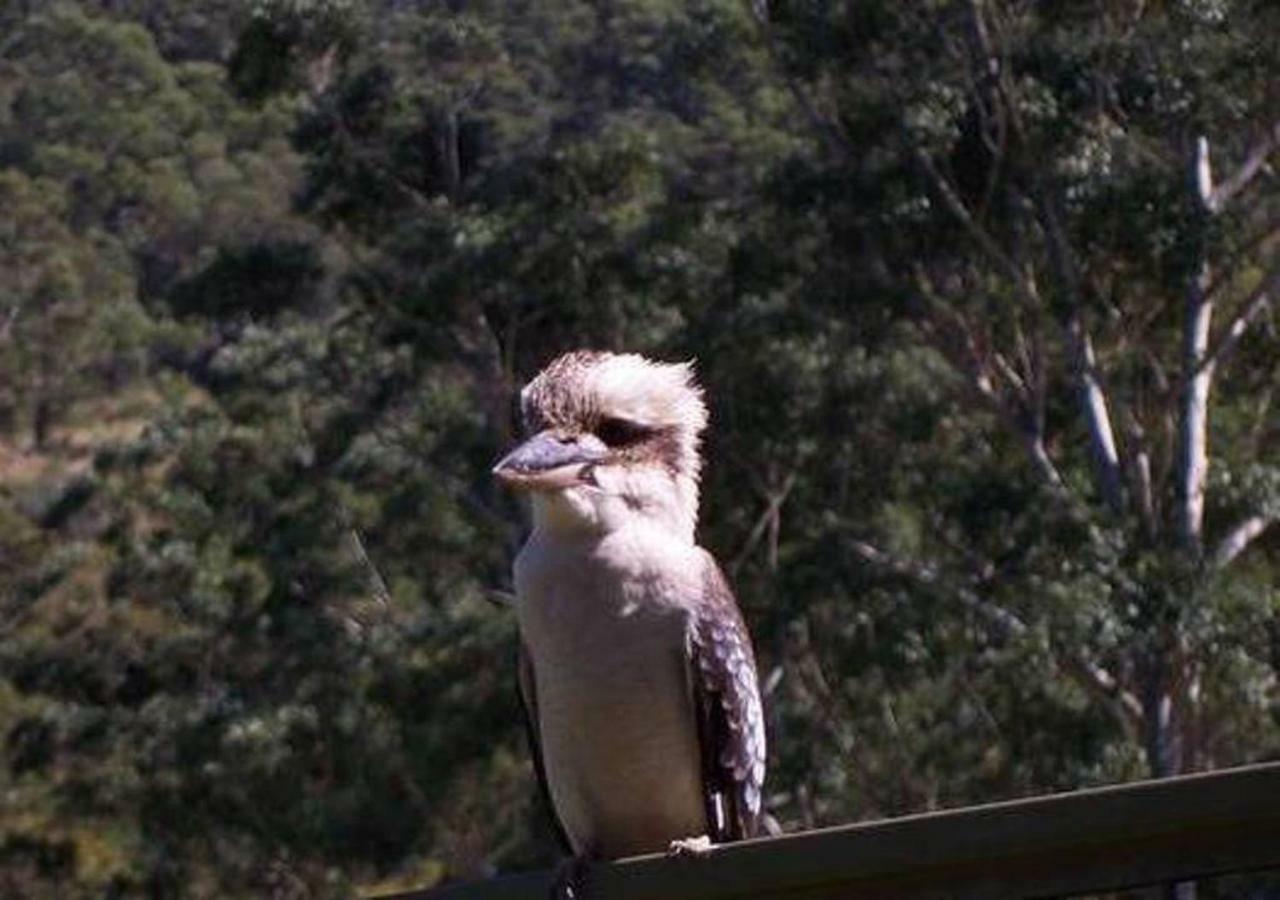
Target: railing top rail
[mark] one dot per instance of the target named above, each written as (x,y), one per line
(1100,839)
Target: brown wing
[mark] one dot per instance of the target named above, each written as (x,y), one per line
(730,716)
(529,700)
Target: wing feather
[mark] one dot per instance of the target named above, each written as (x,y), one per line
(730,715)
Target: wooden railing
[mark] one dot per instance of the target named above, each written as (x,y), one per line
(1147,833)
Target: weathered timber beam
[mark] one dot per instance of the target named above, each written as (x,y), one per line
(1090,840)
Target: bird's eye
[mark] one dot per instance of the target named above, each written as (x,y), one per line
(620,432)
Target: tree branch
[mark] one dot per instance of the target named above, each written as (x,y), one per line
(1140,464)
(767,520)
(1258,430)
(1253,307)
(960,212)
(1239,538)
(1124,704)
(376,582)
(1093,399)
(1024,418)
(993,117)
(9,320)
(1249,169)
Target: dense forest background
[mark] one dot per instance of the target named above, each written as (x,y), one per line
(981,293)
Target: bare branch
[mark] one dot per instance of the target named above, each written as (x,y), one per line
(768,520)
(1124,705)
(1239,538)
(1249,169)
(9,320)
(993,118)
(1258,430)
(1253,308)
(956,206)
(983,37)
(377,583)
(1146,501)
(1010,374)
(1093,399)
(1140,473)
(952,336)
(1202,175)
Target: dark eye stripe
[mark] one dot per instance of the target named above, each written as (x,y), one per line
(621,432)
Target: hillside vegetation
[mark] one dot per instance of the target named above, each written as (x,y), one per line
(982,295)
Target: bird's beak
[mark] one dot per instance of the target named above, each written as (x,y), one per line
(549,461)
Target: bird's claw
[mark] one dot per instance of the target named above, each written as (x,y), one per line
(696,847)
(570,881)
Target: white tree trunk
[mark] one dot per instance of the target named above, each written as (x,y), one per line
(1197,373)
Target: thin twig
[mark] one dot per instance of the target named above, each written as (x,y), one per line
(772,508)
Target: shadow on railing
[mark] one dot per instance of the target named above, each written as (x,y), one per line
(1106,839)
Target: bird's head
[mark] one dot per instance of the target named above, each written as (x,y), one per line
(612,440)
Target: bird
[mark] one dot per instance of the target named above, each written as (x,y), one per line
(635,667)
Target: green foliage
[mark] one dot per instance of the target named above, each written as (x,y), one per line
(256,281)
(270,275)
(281,36)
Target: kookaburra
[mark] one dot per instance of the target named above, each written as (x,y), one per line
(636,669)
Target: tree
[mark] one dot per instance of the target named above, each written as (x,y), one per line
(61,295)
(278,271)
(1033,190)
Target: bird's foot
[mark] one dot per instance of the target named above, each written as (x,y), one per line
(695,847)
(571,881)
